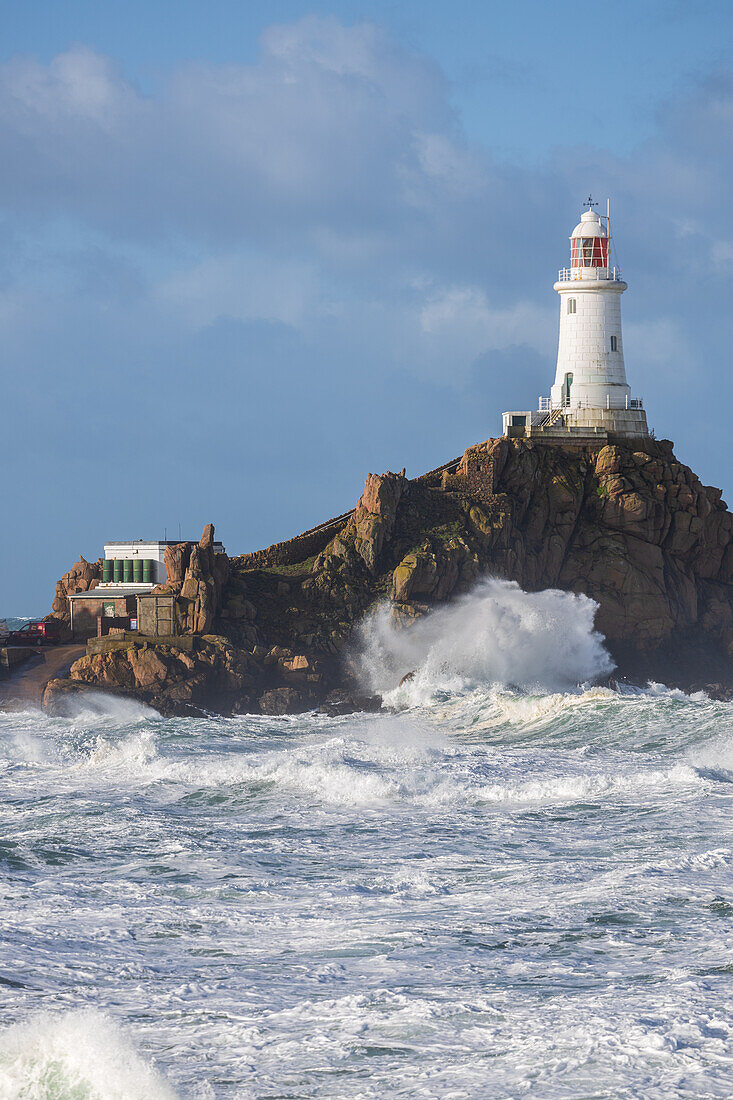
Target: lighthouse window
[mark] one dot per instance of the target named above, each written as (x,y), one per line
(614,343)
(588,243)
(572,305)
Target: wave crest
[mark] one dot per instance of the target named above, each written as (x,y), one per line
(497,634)
(78,1054)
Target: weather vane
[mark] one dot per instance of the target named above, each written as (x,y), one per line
(589,202)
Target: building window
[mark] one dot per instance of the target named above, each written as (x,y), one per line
(614,343)
(108,610)
(572,305)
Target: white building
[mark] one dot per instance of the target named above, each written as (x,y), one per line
(129,569)
(136,566)
(591,395)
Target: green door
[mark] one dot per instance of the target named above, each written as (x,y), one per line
(566,389)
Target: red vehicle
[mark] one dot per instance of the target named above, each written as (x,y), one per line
(35,633)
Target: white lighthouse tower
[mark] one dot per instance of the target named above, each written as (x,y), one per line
(591,395)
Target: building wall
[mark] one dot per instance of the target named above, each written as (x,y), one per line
(584,345)
(87,612)
(618,421)
(155,551)
(157,615)
(296,549)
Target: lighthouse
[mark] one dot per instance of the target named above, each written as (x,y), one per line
(591,395)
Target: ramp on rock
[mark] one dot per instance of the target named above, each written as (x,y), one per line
(24,687)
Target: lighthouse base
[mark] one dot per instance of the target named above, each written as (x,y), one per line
(626,422)
(579,425)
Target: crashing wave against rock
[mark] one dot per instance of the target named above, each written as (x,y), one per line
(628,526)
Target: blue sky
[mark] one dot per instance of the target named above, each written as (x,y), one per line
(250,251)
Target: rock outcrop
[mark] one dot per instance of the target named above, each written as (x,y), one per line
(627,524)
(206,574)
(197,574)
(201,674)
(211,674)
(83,576)
(371,523)
(176,561)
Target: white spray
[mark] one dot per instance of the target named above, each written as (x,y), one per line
(82,1054)
(497,634)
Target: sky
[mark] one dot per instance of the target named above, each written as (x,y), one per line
(251,251)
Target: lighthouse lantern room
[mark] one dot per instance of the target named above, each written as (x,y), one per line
(590,396)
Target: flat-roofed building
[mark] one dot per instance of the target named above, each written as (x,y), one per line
(129,569)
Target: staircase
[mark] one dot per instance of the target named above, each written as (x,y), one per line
(551,418)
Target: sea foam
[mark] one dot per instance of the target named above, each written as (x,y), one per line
(93,707)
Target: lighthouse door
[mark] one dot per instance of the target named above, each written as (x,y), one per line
(566,389)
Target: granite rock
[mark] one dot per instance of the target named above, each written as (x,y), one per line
(625,523)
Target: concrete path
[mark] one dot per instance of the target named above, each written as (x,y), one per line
(25,686)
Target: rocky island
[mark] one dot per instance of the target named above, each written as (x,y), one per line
(625,523)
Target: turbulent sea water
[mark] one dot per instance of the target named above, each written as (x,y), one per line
(505,887)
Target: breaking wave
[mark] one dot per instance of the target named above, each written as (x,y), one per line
(497,634)
(93,706)
(78,1055)
(521,869)
(392,760)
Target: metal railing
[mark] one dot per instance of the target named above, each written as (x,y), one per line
(546,404)
(576,274)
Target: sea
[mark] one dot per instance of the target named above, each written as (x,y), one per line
(516,880)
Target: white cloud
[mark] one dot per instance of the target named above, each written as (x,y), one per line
(660,358)
(241,288)
(321,131)
(328,187)
(464,322)
(722,254)
(443,160)
(78,86)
